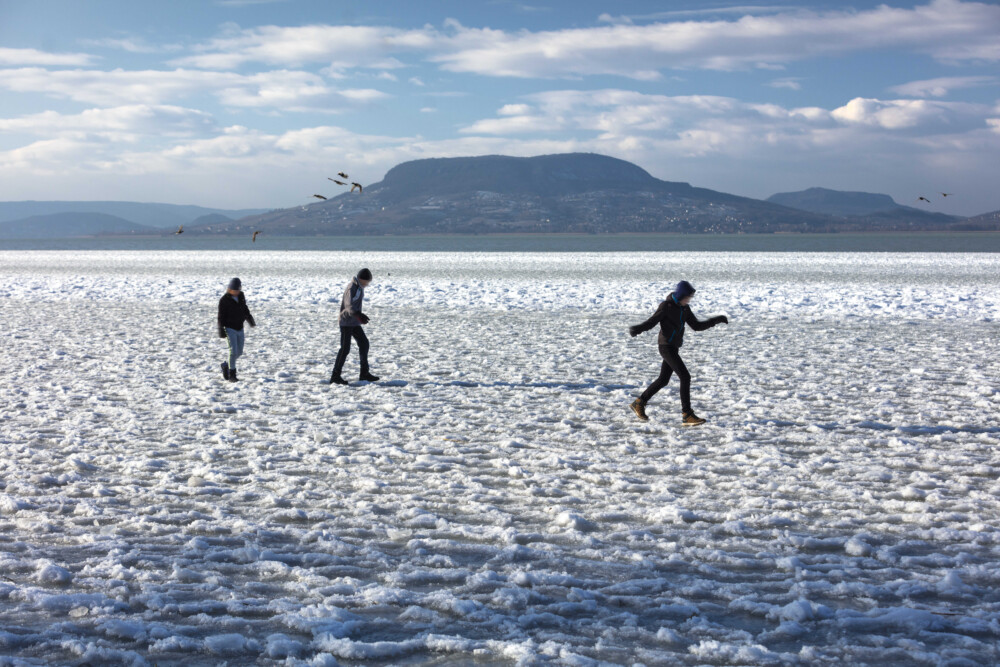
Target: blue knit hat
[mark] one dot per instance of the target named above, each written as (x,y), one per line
(683,289)
(235,284)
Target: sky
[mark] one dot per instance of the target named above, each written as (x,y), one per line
(254,103)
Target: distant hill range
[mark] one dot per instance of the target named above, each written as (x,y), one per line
(59,219)
(577,192)
(68,225)
(987,222)
(863,209)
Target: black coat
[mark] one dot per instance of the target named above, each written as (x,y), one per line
(671,316)
(233,314)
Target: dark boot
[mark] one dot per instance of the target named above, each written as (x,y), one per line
(225,370)
(336,379)
(368,377)
(232,375)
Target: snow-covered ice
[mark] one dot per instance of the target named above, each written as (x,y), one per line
(493,500)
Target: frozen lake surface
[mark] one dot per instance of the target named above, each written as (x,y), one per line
(493,500)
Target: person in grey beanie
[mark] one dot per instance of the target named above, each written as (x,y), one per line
(233,312)
(672,315)
(352,320)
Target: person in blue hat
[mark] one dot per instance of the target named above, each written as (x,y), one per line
(233,312)
(671,315)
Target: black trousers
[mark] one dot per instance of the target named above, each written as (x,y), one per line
(672,363)
(346,334)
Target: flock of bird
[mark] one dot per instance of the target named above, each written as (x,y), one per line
(943,194)
(253,239)
(354,186)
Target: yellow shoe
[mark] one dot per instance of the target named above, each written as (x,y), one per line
(691,419)
(639,408)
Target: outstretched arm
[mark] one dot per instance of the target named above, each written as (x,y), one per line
(637,329)
(701,325)
(222,327)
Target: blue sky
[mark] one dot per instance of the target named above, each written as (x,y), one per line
(253,103)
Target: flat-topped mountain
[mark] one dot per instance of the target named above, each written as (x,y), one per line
(168,216)
(576,192)
(877,210)
(69,225)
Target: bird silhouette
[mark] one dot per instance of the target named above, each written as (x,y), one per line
(180,230)
(341,174)
(335,181)
(253,238)
(924,199)
(946,194)
(358,186)
(320,197)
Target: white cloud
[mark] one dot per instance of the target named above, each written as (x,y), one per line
(945,29)
(942,86)
(341,46)
(791,83)
(21,57)
(949,30)
(923,115)
(130,45)
(688,13)
(284,90)
(125,123)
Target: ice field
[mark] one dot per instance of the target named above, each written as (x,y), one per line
(492,501)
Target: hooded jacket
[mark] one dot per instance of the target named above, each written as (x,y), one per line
(233,312)
(671,316)
(350,304)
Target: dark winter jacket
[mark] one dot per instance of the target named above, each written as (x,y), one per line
(350,305)
(233,313)
(671,317)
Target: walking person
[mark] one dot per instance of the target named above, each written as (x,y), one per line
(671,315)
(233,312)
(351,322)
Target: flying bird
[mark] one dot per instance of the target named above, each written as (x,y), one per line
(341,174)
(924,199)
(180,230)
(253,238)
(335,181)
(320,197)
(947,194)
(358,186)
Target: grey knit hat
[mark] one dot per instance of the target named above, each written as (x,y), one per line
(235,284)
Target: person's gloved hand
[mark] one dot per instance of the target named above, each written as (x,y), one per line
(364,319)
(633,331)
(723,319)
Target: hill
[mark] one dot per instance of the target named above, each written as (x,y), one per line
(577,192)
(150,215)
(865,210)
(985,222)
(65,225)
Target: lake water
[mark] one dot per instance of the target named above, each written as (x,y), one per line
(898,242)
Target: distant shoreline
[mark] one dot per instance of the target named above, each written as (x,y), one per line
(920,242)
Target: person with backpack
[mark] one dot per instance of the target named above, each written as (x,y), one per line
(233,312)
(672,315)
(351,322)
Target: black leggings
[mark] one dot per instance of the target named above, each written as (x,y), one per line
(672,363)
(358,334)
